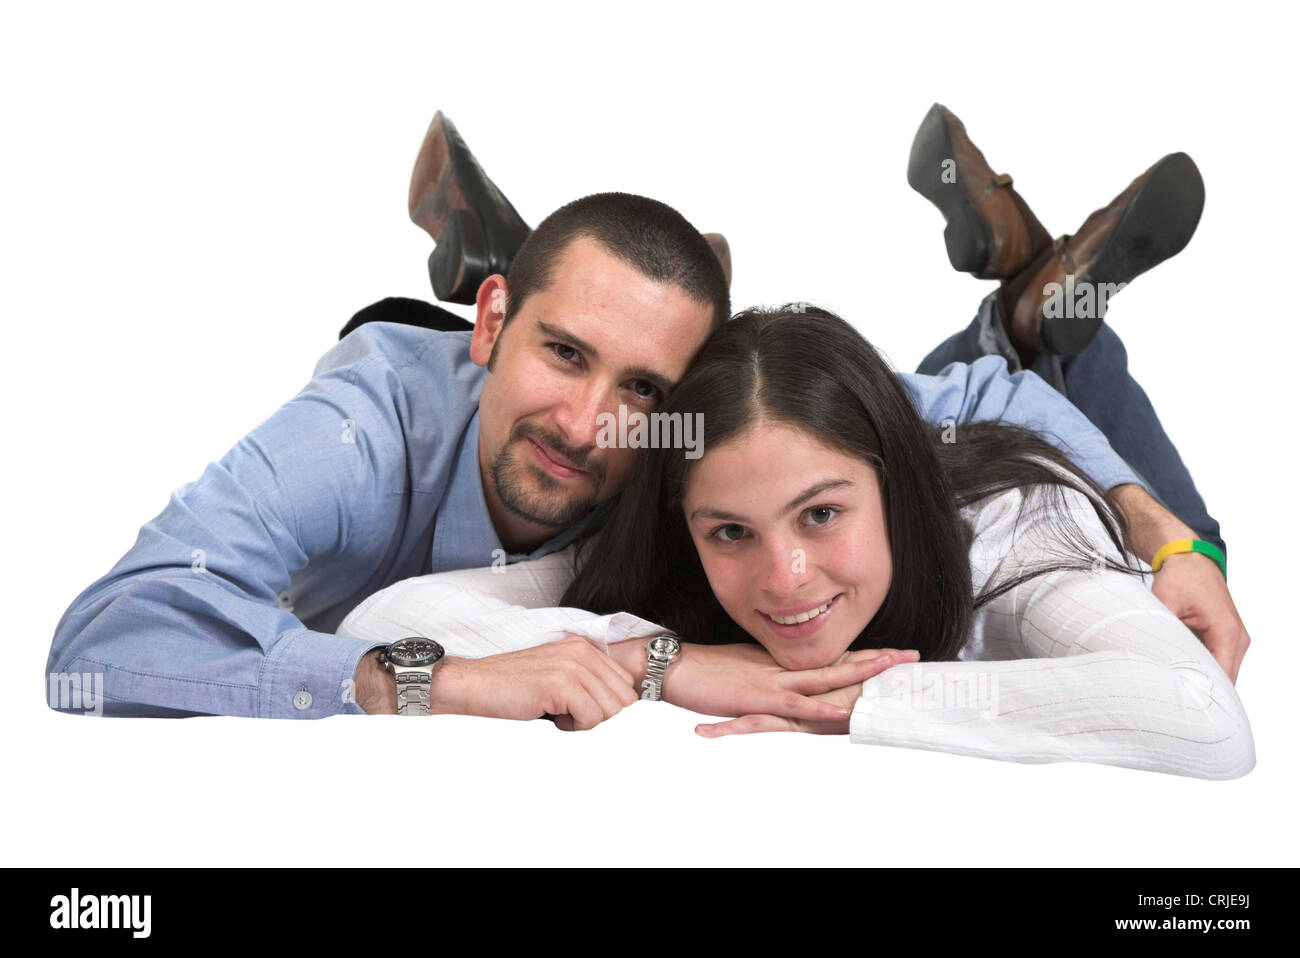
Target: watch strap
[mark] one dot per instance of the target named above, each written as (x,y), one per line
(413,690)
(652,686)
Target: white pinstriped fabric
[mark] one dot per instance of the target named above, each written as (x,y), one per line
(1080,665)
(474,613)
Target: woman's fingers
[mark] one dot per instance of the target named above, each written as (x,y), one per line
(792,705)
(854,670)
(747,724)
(862,655)
(770,723)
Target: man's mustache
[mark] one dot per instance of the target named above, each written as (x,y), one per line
(579,459)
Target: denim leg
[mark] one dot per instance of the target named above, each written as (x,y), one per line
(983,337)
(960,347)
(1098,383)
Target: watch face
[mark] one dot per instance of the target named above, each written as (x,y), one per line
(414,652)
(665,645)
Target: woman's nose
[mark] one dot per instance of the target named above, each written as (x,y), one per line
(786,568)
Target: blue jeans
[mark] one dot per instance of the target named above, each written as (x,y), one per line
(1097,382)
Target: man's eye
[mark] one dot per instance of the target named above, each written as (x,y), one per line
(820,515)
(566,354)
(645,390)
(729,533)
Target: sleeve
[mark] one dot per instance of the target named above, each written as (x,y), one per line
(474,613)
(985,390)
(1082,665)
(189,622)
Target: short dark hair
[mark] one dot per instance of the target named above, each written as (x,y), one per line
(649,235)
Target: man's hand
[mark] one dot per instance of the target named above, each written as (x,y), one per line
(1190,585)
(743,680)
(570,680)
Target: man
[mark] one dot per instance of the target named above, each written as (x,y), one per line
(413,451)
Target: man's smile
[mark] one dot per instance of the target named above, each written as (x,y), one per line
(552,462)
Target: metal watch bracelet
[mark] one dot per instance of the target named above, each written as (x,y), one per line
(413,692)
(660,652)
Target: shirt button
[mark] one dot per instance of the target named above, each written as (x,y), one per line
(302,701)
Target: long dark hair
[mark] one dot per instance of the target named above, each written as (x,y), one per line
(809,369)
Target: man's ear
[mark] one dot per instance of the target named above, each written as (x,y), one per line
(491,316)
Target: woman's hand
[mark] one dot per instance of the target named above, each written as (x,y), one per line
(842,698)
(743,678)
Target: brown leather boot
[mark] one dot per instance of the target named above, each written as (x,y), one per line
(1058,303)
(991,231)
(476,228)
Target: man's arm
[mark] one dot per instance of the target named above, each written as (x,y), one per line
(189,620)
(984,390)
(1190,585)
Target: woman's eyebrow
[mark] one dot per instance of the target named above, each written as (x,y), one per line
(704,512)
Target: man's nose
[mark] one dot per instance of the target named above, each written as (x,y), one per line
(579,414)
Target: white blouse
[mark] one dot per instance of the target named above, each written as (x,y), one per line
(1081,665)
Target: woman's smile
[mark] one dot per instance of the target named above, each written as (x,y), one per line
(800,622)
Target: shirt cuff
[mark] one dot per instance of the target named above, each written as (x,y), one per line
(311,675)
(606,630)
(1107,469)
(923,705)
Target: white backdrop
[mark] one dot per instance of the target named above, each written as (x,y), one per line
(195,202)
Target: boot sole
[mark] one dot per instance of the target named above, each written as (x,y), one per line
(446,208)
(433,198)
(1157,224)
(461,260)
(968,239)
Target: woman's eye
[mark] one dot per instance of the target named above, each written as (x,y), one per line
(729,533)
(565,353)
(820,515)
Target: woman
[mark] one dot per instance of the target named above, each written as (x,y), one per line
(825,516)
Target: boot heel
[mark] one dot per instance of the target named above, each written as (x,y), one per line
(460,262)
(966,235)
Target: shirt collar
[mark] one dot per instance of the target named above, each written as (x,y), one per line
(463,535)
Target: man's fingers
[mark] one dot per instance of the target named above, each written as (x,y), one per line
(745,725)
(618,678)
(1227,648)
(598,660)
(605,673)
(578,703)
(608,692)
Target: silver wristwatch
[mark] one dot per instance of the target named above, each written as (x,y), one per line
(411,660)
(660,651)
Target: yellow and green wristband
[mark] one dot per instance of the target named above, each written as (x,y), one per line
(1179,546)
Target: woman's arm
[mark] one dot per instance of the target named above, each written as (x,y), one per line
(1079,665)
(477,613)
(474,613)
